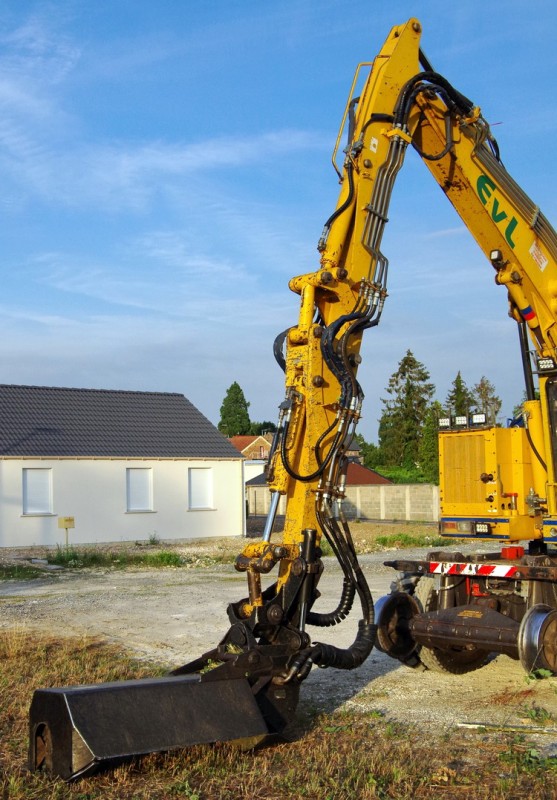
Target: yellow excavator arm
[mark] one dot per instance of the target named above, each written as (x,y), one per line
(403,102)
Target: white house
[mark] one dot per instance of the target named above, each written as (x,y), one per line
(125,465)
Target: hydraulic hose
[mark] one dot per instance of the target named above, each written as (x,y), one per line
(320,468)
(327,655)
(326,620)
(425,81)
(320,441)
(445,150)
(340,210)
(278,349)
(337,360)
(534,449)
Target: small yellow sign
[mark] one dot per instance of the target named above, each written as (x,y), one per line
(66,522)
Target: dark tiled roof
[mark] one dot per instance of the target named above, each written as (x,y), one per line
(259,480)
(50,421)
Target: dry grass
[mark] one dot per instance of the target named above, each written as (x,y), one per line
(343,756)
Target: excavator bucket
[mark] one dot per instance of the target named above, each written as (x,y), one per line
(74,731)
(245,690)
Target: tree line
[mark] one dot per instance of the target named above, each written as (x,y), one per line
(407,449)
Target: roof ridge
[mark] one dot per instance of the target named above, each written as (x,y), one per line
(84,389)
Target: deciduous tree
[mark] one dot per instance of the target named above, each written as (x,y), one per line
(259,428)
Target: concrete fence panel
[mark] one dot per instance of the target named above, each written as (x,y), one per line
(416,502)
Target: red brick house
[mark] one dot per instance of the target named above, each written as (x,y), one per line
(253,447)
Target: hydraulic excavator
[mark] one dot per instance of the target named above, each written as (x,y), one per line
(446,611)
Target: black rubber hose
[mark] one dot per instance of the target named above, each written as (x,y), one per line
(326,620)
(320,441)
(335,361)
(431,80)
(425,62)
(445,150)
(352,118)
(347,203)
(318,472)
(376,118)
(278,349)
(327,655)
(534,449)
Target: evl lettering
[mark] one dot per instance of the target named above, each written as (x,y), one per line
(486,187)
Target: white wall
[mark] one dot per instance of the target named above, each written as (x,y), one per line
(94,492)
(253,468)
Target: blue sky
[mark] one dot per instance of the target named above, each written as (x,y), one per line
(165,169)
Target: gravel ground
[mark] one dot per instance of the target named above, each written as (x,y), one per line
(173,615)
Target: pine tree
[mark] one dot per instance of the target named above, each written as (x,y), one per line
(234,416)
(400,426)
(486,400)
(429,444)
(459,399)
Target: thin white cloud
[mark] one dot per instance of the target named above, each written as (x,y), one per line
(46,153)
(127,176)
(38,50)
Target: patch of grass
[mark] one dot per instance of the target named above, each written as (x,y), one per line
(18,572)
(76,558)
(401,540)
(526,759)
(538,675)
(163,558)
(538,714)
(368,538)
(339,756)
(91,557)
(325,547)
(371,538)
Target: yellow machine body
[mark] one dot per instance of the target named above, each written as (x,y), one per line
(485,481)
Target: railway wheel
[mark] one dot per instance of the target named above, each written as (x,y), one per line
(452,661)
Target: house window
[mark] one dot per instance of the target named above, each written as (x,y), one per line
(139,489)
(200,488)
(37,491)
